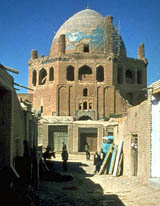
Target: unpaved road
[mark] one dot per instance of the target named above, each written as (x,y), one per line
(87,189)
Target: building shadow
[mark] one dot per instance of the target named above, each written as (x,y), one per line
(79,191)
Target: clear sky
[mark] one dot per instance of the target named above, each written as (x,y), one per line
(32,24)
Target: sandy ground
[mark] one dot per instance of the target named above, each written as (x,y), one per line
(96,190)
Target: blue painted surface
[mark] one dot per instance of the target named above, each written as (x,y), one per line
(106,145)
(96,38)
(110,137)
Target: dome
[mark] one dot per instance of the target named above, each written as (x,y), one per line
(85,27)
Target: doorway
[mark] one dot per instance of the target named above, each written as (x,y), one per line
(134,154)
(87,135)
(57,136)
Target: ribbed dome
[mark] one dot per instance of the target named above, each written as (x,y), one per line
(85,27)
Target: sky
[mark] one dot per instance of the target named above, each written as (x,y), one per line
(27,25)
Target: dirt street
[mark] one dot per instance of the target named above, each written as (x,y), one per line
(95,190)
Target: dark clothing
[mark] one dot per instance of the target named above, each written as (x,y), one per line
(97,162)
(48,154)
(65,158)
(87,151)
(87,155)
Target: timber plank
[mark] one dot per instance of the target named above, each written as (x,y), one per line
(113,159)
(102,169)
(117,158)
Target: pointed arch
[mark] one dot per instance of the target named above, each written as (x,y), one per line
(42,76)
(85,105)
(85,92)
(85,73)
(34,77)
(70,73)
(51,74)
(100,74)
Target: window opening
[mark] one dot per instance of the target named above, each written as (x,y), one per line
(42,76)
(84,105)
(100,74)
(34,77)
(70,73)
(86,48)
(85,73)
(80,106)
(90,106)
(129,77)
(134,154)
(51,74)
(85,92)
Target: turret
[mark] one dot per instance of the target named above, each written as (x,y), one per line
(61,44)
(34,54)
(141,52)
(109,38)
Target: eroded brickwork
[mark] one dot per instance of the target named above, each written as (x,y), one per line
(67,82)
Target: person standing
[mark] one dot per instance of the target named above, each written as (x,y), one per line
(97,162)
(65,158)
(87,151)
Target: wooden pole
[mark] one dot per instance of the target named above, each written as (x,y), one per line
(22,86)
(9,69)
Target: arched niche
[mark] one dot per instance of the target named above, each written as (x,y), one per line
(85,73)
(42,76)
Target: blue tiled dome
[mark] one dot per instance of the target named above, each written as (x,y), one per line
(86,27)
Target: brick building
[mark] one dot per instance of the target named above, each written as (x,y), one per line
(86,76)
(141,126)
(17,123)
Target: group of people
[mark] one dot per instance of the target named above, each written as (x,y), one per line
(98,159)
(48,154)
(99,156)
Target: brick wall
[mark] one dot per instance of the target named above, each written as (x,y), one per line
(136,122)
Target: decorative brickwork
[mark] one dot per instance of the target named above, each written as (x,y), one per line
(91,77)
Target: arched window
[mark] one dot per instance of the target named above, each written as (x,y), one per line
(70,73)
(51,74)
(34,77)
(85,105)
(85,92)
(129,75)
(100,74)
(42,76)
(85,73)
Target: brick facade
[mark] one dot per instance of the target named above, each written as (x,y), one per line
(14,122)
(70,82)
(86,76)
